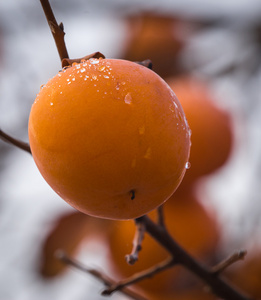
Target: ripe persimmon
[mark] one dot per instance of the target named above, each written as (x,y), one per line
(110,137)
(189,294)
(211,126)
(66,234)
(154,36)
(191,225)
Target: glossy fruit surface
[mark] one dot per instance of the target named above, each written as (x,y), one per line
(110,137)
(211,126)
(190,224)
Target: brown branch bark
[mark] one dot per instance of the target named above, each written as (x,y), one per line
(57,30)
(222,266)
(7,138)
(168,263)
(98,275)
(160,211)
(217,285)
(137,243)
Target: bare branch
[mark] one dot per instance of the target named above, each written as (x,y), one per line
(239,255)
(98,275)
(168,263)
(137,241)
(217,285)
(57,30)
(7,138)
(161,220)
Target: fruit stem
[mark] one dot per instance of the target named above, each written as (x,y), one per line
(57,30)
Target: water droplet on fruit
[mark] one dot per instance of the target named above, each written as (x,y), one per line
(142,130)
(188,165)
(101,68)
(94,77)
(128,99)
(51,103)
(148,153)
(83,70)
(94,61)
(106,76)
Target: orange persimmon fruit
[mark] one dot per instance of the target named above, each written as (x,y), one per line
(188,221)
(110,137)
(211,126)
(67,234)
(154,36)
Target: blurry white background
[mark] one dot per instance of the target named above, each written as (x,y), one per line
(28,58)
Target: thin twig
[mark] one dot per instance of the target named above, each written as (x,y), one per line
(239,255)
(137,243)
(168,263)
(22,145)
(98,275)
(217,285)
(161,220)
(57,30)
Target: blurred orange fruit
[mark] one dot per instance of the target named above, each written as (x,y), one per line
(66,234)
(211,127)
(110,137)
(190,224)
(152,35)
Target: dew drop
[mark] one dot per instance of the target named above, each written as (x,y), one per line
(94,77)
(148,154)
(83,70)
(128,99)
(142,130)
(188,165)
(51,103)
(106,76)
(94,61)
(101,68)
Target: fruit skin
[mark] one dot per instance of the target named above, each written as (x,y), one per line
(110,137)
(211,126)
(191,225)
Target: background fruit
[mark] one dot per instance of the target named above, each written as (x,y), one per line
(66,234)
(192,227)
(154,36)
(211,127)
(110,137)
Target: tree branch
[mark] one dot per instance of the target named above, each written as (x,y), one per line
(57,30)
(168,263)
(7,138)
(98,275)
(137,241)
(218,286)
(239,255)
